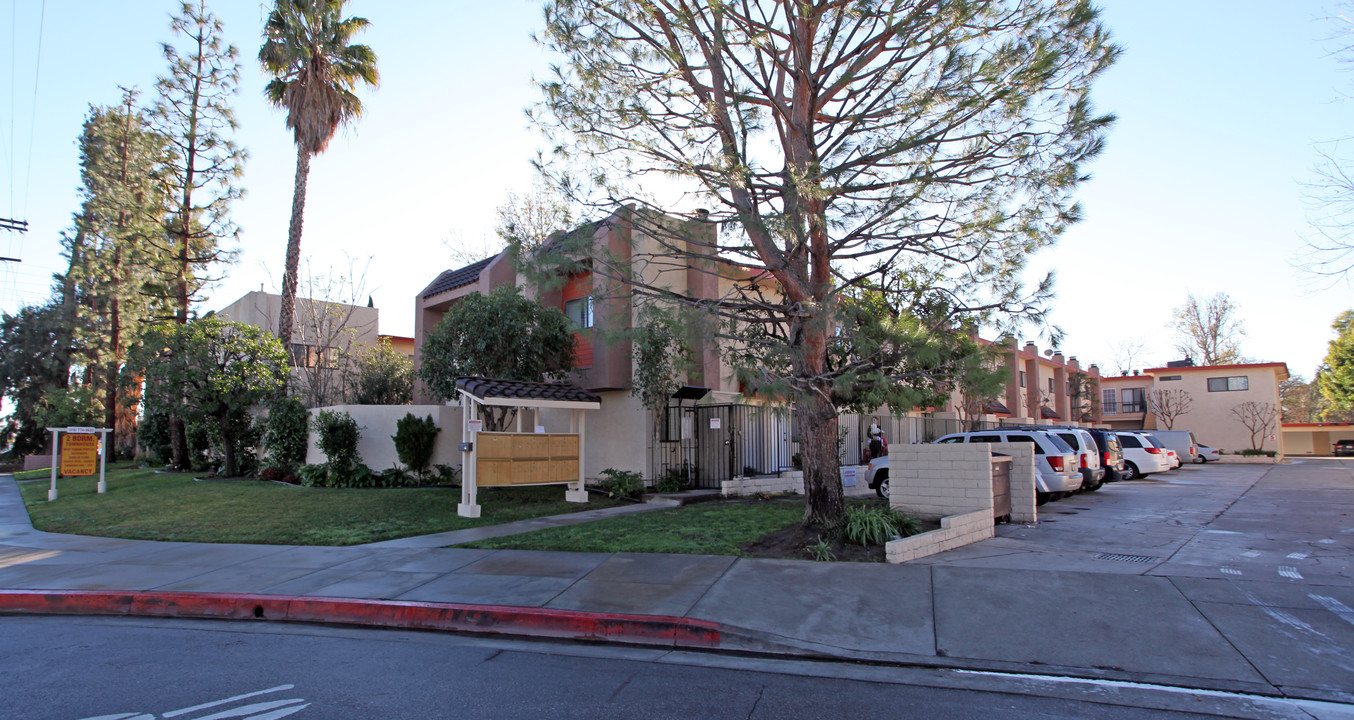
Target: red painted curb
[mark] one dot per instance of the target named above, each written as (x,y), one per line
(497,619)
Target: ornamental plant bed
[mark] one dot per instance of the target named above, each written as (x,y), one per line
(767,528)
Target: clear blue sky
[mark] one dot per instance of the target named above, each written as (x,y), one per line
(1221,106)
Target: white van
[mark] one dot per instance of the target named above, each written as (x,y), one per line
(1181,441)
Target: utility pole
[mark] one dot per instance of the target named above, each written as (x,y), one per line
(16,226)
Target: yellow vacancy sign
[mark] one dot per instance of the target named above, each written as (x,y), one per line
(79,454)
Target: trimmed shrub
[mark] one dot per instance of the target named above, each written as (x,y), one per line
(287,434)
(622,483)
(338,439)
(414,438)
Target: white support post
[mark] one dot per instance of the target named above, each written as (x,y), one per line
(56,455)
(576,492)
(469,506)
(103,461)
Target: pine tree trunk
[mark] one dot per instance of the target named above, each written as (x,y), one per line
(289,278)
(178,442)
(817,428)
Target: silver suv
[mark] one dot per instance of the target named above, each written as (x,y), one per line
(1056,470)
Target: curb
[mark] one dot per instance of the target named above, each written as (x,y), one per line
(662,630)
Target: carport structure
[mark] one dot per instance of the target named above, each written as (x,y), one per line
(498,458)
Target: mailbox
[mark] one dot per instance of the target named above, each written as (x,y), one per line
(465,446)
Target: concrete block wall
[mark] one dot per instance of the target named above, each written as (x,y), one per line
(936,481)
(1023,508)
(955,531)
(786,482)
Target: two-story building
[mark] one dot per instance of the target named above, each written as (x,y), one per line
(1225,406)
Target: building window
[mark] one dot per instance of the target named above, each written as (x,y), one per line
(1133,400)
(1229,384)
(579,312)
(1168,378)
(1022,378)
(1050,384)
(1109,399)
(312,356)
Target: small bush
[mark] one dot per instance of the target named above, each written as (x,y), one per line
(674,480)
(272,474)
(338,440)
(622,483)
(447,475)
(287,433)
(414,438)
(821,550)
(1251,452)
(313,475)
(876,524)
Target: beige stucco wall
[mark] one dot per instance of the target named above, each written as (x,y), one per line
(377,425)
(262,310)
(1210,417)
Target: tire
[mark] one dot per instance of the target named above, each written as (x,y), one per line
(1088,485)
(1131,472)
(880,482)
(1041,497)
(1200,460)
(883,489)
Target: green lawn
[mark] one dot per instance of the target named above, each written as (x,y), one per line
(700,529)
(143,505)
(33,474)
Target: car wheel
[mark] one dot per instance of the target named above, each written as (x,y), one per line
(1042,497)
(1093,487)
(1130,471)
(883,489)
(1199,460)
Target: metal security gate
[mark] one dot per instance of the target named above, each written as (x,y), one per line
(709,444)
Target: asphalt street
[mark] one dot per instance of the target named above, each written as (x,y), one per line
(134,669)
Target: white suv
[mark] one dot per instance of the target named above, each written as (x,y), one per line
(1141,457)
(1056,470)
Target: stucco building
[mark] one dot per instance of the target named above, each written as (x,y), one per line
(1225,406)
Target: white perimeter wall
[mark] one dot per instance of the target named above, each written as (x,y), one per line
(377,425)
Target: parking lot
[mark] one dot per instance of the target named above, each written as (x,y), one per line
(1291,523)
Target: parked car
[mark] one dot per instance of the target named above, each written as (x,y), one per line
(1141,457)
(1089,460)
(1181,441)
(1206,454)
(1172,459)
(1111,453)
(1056,468)
(1343,448)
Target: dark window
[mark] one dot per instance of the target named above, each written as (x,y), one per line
(1038,449)
(1071,439)
(1229,384)
(1050,384)
(1022,378)
(984,438)
(953,440)
(1167,378)
(579,312)
(1134,400)
(1130,441)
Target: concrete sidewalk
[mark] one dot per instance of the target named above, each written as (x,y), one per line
(1044,612)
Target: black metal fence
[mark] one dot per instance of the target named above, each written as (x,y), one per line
(707,444)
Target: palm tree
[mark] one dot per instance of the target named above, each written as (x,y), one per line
(306,49)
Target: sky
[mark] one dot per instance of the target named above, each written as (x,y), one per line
(1222,106)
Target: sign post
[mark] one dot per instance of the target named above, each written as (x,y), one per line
(78,454)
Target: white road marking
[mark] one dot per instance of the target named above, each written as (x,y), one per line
(1341,610)
(1289,571)
(1326,541)
(1298,556)
(1251,553)
(259,711)
(204,706)
(1229,571)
